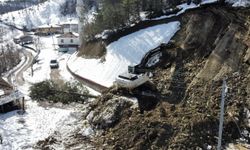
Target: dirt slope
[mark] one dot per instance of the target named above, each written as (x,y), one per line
(179,108)
(183,112)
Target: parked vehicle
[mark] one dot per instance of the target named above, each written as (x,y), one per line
(54,64)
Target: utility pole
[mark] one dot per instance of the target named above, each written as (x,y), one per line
(223,95)
(52,37)
(81,9)
(32,70)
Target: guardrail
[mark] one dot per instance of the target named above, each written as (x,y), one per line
(98,87)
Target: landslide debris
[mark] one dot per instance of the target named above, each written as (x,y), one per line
(212,45)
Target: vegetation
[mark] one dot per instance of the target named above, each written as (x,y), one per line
(117,14)
(68,8)
(66,93)
(9,57)
(13,5)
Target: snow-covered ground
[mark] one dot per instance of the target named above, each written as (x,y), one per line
(128,50)
(45,13)
(22,131)
(239,3)
(184,7)
(42,68)
(42,71)
(7,35)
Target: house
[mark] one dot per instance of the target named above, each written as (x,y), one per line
(10,99)
(68,41)
(5,87)
(69,27)
(48,29)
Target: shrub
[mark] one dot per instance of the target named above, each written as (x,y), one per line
(66,93)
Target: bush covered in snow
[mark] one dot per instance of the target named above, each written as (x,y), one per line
(65,93)
(9,57)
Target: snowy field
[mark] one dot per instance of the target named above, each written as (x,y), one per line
(42,14)
(128,50)
(22,131)
(42,71)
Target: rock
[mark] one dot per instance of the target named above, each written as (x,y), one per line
(198,29)
(88,131)
(247,57)
(111,112)
(90,116)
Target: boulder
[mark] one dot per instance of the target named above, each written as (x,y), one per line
(247,57)
(110,113)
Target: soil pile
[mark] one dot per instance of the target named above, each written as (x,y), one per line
(180,107)
(183,107)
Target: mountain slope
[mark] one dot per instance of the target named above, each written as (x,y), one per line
(181,107)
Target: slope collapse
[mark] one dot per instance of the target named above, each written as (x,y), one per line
(182,109)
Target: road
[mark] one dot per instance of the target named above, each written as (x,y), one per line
(29,60)
(16,74)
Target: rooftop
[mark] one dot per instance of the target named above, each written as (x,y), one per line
(4,84)
(69,35)
(49,26)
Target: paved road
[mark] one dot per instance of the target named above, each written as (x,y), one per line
(17,73)
(28,62)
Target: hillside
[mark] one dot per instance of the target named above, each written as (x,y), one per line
(183,109)
(179,108)
(204,52)
(48,12)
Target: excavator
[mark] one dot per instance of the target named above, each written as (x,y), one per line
(150,59)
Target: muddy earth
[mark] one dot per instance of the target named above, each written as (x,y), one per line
(179,108)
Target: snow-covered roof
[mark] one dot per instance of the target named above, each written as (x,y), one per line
(49,26)
(69,22)
(69,35)
(4,84)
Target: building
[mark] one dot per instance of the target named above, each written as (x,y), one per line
(10,99)
(5,87)
(48,29)
(68,41)
(71,26)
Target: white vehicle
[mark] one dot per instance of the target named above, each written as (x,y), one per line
(54,64)
(131,81)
